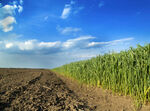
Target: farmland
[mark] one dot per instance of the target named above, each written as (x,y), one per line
(44,90)
(111,82)
(36,90)
(125,73)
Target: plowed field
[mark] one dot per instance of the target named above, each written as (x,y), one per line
(43,90)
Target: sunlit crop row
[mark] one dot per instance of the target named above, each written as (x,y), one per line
(127,72)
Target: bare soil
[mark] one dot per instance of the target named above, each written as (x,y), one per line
(43,90)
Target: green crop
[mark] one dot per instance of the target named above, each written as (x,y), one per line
(127,72)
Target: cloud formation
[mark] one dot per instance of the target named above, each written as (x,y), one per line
(20,9)
(6,23)
(114,42)
(69,9)
(68,30)
(39,47)
(66,12)
(7,15)
(80,42)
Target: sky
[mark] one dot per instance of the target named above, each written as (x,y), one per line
(51,33)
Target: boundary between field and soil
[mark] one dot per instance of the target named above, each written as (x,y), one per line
(101,98)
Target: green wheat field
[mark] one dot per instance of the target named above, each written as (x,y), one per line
(127,72)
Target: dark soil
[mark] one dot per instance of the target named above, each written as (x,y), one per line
(43,90)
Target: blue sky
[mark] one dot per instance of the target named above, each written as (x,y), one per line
(50,33)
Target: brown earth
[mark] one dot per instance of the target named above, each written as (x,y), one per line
(43,90)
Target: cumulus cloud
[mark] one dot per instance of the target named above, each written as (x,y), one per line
(27,45)
(30,46)
(7,15)
(6,23)
(8,9)
(68,30)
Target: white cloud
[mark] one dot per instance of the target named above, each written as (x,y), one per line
(49,44)
(39,47)
(20,9)
(7,10)
(69,9)
(10,9)
(99,44)
(6,23)
(66,12)
(68,30)
(101,4)
(80,42)
(27,45)
(7,15)
(32,46)
(8,45)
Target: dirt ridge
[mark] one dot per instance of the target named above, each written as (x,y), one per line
(38,90)
(17,92)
